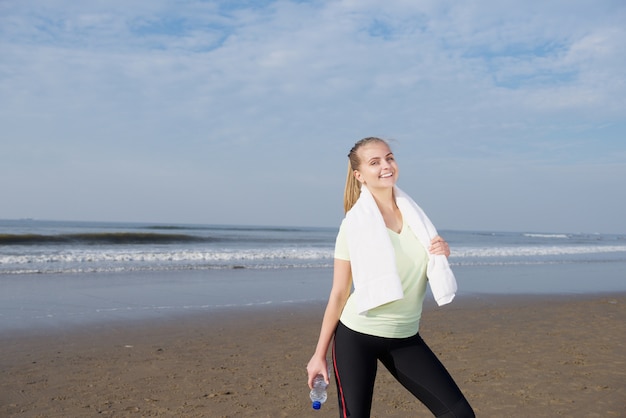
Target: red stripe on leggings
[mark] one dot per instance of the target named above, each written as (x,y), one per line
(344,411)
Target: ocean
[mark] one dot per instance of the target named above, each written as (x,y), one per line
(55,273)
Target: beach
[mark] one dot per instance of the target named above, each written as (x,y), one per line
(513,356)
(142,320)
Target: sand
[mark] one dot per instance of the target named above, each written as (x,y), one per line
(522,356)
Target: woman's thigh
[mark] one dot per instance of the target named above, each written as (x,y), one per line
(355,364)
(419,370)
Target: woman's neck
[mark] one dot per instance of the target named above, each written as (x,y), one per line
(384,198)
(386,203)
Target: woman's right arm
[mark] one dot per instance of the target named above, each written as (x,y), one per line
(342,285)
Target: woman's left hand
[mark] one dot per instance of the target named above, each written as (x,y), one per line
(439,246)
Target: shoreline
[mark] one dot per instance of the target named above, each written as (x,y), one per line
(513,355)
(31,302)
(237,313)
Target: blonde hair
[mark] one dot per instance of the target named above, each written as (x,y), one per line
(352,190)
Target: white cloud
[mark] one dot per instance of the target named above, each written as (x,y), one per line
(230,93)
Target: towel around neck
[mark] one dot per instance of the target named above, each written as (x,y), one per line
(374,273)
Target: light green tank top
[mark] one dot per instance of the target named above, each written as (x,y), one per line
(400,318)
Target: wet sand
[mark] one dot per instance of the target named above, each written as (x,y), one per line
(513,356)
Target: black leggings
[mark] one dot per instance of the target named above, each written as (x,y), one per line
(409,360)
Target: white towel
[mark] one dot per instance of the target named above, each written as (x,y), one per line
(372,257)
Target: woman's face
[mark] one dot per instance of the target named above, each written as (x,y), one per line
(378,168)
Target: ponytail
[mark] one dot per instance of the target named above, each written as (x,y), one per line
(352,190)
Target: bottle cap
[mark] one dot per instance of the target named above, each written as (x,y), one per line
(316,405)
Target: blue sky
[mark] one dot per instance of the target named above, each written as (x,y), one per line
(503,115)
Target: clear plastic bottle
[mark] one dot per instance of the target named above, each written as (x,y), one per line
(318,394)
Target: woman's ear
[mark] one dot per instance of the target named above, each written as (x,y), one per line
(358,176)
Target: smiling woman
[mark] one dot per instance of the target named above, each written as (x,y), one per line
(386,252)
(377,161)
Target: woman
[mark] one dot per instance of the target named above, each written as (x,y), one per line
(387,250)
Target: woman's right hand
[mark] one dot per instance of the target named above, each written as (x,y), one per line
(317,366)
(342,284)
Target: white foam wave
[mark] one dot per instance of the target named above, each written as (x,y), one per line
(92,261)
(297,255)
(533,251)
(226,256)
(531,235)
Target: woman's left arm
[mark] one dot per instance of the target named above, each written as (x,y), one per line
(439,246)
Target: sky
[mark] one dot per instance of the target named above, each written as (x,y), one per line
(503,115)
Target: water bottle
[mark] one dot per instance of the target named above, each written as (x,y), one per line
(318,394)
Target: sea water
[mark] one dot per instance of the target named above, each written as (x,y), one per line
(57,273)
(46,247)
